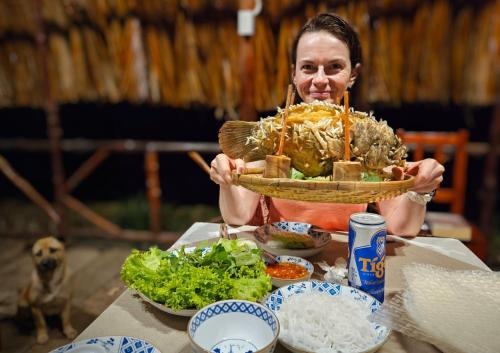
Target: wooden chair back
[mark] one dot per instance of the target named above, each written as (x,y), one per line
(443,146)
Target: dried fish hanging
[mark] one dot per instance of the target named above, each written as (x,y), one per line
(6,89)
(208,50)
(483,65)
(214,68)
(134,80)
(24,62)
(114,40)
(434,79)
(101,68)
(228,40)
(264,49)
(82,84)
(18,16)
(154,64)
(380,67)
(95,11)
(289,26)
(161,66)
(188,62)
(413,57)
(53,12)
(397,48)
(360,18)
(460,52)
(60,56)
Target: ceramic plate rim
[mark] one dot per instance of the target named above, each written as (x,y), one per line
(84,342)
(307,288)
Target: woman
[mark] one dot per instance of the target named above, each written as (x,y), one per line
(326,57)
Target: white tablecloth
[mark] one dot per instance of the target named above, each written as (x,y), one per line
(130,316)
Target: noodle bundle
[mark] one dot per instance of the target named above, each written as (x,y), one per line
(320,323)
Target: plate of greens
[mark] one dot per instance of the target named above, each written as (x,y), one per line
(182,281)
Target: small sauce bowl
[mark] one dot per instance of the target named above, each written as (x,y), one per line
(288,270)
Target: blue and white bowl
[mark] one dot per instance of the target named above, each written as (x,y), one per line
(280,282)
(276,299)
(233,326)
(321,238)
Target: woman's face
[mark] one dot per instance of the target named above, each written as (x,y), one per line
(323,68)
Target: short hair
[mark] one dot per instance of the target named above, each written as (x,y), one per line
(336,26)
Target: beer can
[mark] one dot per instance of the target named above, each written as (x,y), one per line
(366,261)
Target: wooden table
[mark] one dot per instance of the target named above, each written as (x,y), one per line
(130,316)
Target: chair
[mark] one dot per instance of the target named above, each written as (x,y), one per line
(444,146)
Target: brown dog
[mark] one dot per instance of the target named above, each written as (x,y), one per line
(48,291)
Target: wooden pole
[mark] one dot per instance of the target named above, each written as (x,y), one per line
(347,136)
(92,217)
(247,71)
(153,189)
(86,169)
(489,193)
(28,190)
(290,97)
(54,130)
(198,159)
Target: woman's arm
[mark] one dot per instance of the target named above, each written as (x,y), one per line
(404,216)
(237,204)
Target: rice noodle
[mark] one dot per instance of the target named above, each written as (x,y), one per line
(320,323)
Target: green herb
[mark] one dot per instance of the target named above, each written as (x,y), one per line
(180,280)
(296,174)
(370,176)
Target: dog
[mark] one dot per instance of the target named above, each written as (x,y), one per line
(48,292)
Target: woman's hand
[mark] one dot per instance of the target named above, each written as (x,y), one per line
(428,175)
(221,168)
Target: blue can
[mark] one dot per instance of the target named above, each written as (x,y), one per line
(366,262)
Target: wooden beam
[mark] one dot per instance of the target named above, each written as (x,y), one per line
(86,169)
(94,218)
(120,146)
(28,190)
(195,156)
(54,130)
(153,189)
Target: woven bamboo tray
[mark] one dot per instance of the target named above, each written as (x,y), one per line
(324,191)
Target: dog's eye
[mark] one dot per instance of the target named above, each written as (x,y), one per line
(53,250)
(38,253)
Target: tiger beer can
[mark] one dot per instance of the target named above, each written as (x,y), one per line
(366,261)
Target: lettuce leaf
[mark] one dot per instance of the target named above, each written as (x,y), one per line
(181,280)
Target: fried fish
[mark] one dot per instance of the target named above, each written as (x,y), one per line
(314,139)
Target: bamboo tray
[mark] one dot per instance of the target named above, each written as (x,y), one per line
(323,191)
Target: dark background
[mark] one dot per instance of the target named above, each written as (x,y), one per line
(182,181)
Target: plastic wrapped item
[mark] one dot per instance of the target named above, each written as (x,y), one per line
(457,311)
(336,273)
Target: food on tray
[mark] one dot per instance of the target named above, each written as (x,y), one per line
(292,235)
(316,322)
(315,139)
(228,269)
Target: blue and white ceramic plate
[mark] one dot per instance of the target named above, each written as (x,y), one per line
(110,344)
(321,238)
(280,296)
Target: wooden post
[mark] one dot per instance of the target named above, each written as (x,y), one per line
(153,189)
(54,130)
(247,72)
(490,184)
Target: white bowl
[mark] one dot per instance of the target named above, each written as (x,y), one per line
(280,282)
(236,326)
(276,299)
